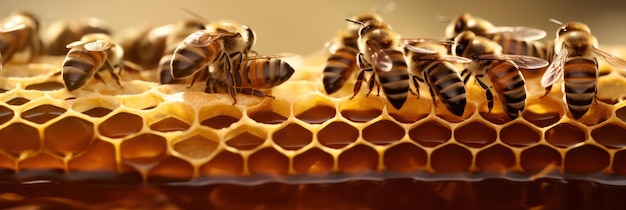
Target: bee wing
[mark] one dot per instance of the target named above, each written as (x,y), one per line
(204,38)
(160,32)
(193,14)
(380,59)
(410,41)
(454,59)
(520,61)
(98,45)
(75,44)
(555,70)
(11,26)
(611,59)
(519,32)
(420,49)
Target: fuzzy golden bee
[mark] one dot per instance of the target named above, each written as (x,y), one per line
(501,70)
(575,62)
(430,63)
(86,57)
(518,40)
(341,63)
(19,38)
(380,52)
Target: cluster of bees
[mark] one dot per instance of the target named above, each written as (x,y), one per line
(493,55)
(218,53)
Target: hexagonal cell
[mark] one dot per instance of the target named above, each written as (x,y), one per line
(268,161)
(597,113)
(519,135)
(565,135)
(586,159)
(42,161)
(543,112)
(383,132)
(405,157)
(18,138)
(46,86)
(619,163)
(475,134)
(17,101)
(292,137)
(97,112)
(170,117)
(120,125)
(224,163)
(540,157)
(358,159)
(495,158)
(6,114)
(100,156)
(43,113)
(610,89)
(430,133)
(144,149)
(245,138)
(172,169)
(144,101)
(361,109)
(610,135)
(337,135)
(314,109)
(219,117)
(70,135)
(313,162)
(451,158)
(418,110)
(621,112)
(275,112)
(196,146)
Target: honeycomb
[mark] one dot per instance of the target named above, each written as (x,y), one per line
(155,146)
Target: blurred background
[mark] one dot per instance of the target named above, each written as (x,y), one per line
(304,26)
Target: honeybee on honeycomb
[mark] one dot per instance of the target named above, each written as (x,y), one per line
(518,40)
(501,70)
(380,52)
(19,38)
(64,31)
(576,63)
(430,63)
(341,63)
(89,55)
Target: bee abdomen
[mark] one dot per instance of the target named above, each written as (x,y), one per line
(339,66)
(580,85)
(395,83)
(522,47)
(449,87)
(510,85)
(264,73)
(188,60)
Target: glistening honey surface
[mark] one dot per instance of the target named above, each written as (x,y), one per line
(301,143)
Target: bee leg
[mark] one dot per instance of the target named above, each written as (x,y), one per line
(415,80)
(254,92)
(98,77)
(488,94)
(465,75)
(112,72)
(230,83)
(371,83)
(430,89)
(547,91)
(360,76)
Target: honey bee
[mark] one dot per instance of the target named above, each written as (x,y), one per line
(502,70)
(252,74)
(86,57)
(19,38)
(176,35)
(518,40)
(430,63)
(342,62)
(576,63)
(62,32)
(380,53)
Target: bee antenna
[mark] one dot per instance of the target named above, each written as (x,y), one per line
(555,21)
(354,21)
(193,14)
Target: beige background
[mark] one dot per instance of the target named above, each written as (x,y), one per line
(303,26)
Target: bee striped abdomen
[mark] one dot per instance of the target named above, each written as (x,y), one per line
(79,66)
(521,47)
(189,60)
(339,67)
(263,73)
(395,83)
(580,85)
(510,86)
(448,86)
